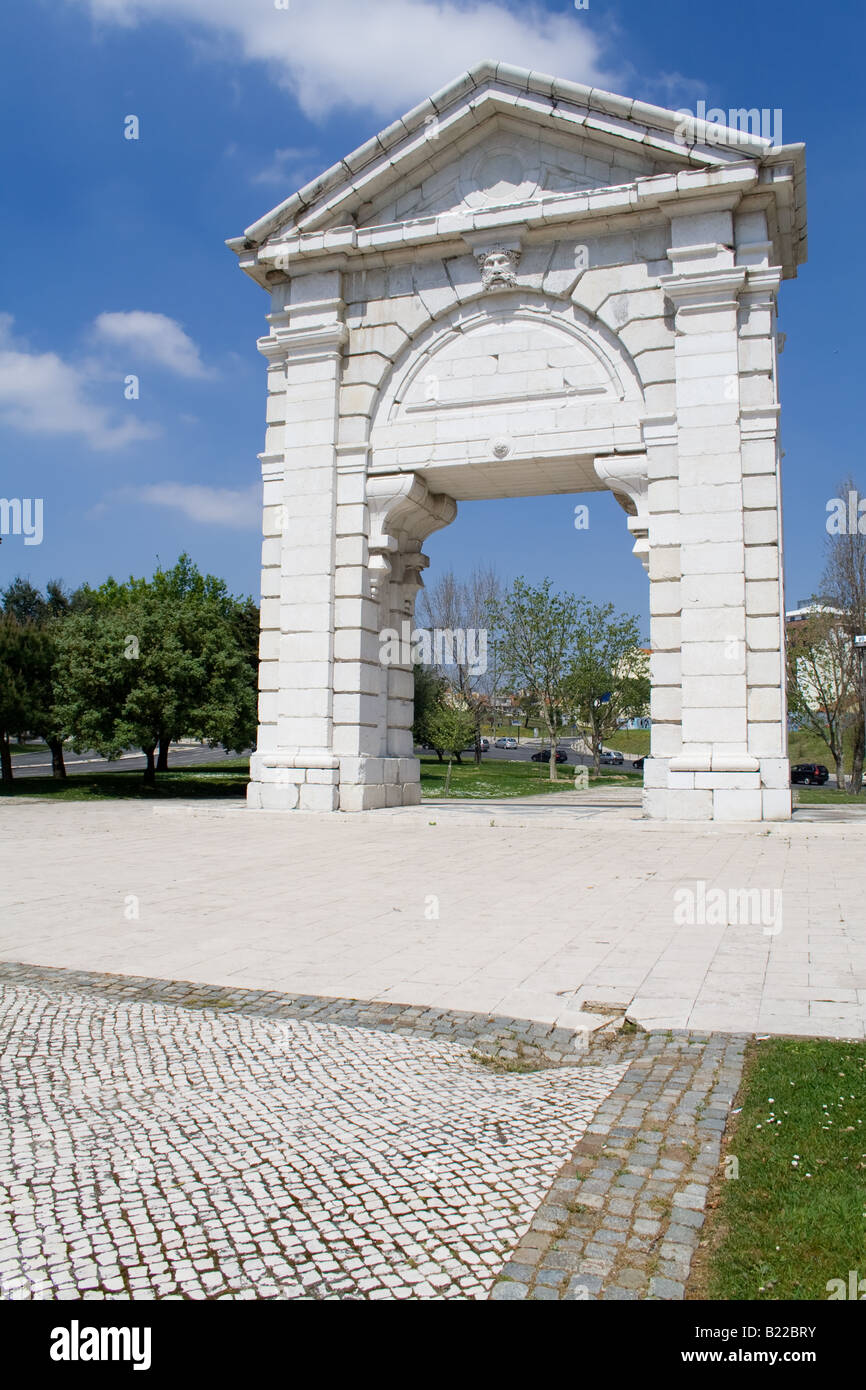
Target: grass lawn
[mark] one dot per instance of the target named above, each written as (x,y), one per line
(227,778)
(30,748)
(794,1218)
(635,743)
(825,796)
(497,778)
(494,779)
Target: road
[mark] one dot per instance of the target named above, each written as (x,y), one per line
(180,755)
(524,753)
(190,755)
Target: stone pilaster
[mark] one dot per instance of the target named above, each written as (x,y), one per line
(294,765)
(373,710)
(715,775)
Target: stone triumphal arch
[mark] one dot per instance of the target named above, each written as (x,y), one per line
(526,286)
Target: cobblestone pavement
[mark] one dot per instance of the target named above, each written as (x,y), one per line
(492,1037)
(160,1151)
(624,1216)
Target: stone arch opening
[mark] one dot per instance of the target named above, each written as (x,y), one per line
(441,330)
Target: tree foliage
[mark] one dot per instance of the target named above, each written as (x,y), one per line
(145,662)
(608,682)
(536,639)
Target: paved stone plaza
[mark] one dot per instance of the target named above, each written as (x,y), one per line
(156,1151)
(438,907)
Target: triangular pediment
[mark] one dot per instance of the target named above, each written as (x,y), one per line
(505,161)
(501,136)
(566,137)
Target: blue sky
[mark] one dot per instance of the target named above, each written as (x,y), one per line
(115,262)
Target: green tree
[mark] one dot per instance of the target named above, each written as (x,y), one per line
(26,659)
(429,688)
(536,642)
(24,602)
(450,728)
(150,661)
(823,676)
(608,681)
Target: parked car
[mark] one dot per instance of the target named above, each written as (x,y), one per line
(544,756)
(637,765)
(810,774)
(505,743)
(485,745)
(612,759)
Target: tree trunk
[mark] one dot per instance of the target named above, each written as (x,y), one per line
(162,760)
(840,771)
(551,729)
(856,783)
(447,778)
(5,758)
(150,770)
(58,766)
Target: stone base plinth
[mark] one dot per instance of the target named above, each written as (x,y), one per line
(293,781)
(714,789)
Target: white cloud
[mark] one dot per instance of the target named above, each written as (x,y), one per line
(214,506)
(295,166)
(155,337)
(40,393)
(384,55)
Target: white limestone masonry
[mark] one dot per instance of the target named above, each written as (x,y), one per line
(525,287)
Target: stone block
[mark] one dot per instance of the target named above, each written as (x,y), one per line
(763,597)
(363,797)
(763,634)
(776,804)
(684,804)
(318,798)
(720,725)
(655,773)
(666,740)
(766,740)
(761,527)
(665,633)
(765,703)
(666,703)
(713,590)
(711,689)
(776,774)
(739,805)
(277,797)
(665,597)
(708,624)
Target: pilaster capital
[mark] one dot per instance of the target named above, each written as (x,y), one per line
(303,343)
(696,291)
(403,512)
(627,476)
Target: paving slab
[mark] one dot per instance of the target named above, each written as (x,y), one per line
(530,921)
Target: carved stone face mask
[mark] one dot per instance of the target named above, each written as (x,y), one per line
(499,269)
